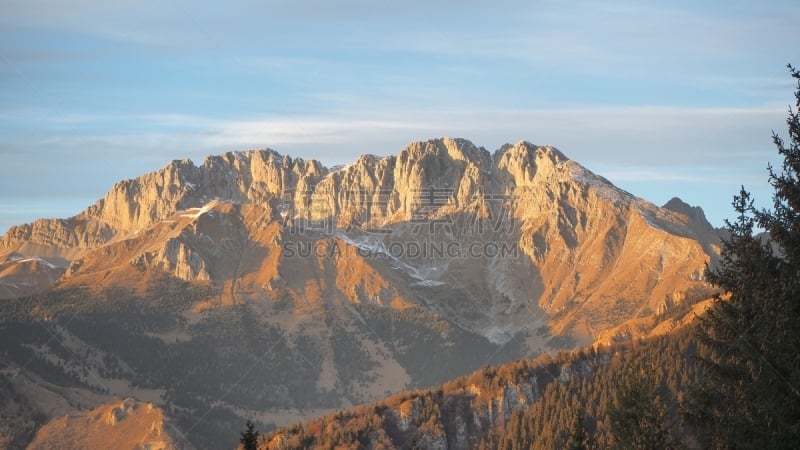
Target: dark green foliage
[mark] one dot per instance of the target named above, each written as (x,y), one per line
(751,397)
(352,361)
(638,416)
(595,383)
(26,345)
(578,437)
(249,437)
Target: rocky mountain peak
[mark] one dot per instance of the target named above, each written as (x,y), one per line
(695,219)
(563,217)
(518,165)
(679,206)
(243,177)
(526,147)
(372,189)
(445,148)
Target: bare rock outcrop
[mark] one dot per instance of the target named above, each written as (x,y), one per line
(127,424)
(584,254)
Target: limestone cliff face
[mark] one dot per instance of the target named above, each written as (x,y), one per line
(177,258)
(132,205)
(255,176)
(591,254)
(600,253)
(376,191)
(456,168)
(587,255)
(57,238)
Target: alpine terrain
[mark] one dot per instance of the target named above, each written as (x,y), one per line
(257,285)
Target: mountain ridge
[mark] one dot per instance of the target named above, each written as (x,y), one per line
(448,184)
(171,188)
(388,273)
(264,176)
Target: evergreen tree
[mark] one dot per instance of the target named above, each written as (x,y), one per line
(638,417)
(578,437)
(249,437)
(751,394)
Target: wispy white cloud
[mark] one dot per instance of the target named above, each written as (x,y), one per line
(625,40)
(688,174)
(587,35)
(613,134)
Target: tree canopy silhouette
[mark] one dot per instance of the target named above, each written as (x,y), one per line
(249,437)
(750,397)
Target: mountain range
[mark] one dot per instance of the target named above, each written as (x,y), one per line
(257,285)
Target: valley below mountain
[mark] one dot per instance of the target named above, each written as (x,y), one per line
(257,285)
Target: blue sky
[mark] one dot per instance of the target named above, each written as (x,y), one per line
(663,98)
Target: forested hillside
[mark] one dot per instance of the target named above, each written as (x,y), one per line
(574,398)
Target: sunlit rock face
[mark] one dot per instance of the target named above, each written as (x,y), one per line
(346,283)
(584,255)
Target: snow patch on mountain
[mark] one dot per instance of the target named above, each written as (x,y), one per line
(194,213)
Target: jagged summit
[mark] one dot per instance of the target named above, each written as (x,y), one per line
(452,149)
(259,175)
(378,275)
(578,234)
(679,206)
(526,146)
